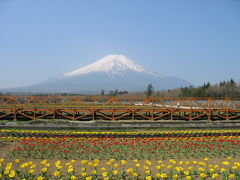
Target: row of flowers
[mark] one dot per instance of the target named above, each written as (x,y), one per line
(125,148)
(122,169)
(157,132)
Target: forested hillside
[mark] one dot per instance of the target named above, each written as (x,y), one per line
(223,89)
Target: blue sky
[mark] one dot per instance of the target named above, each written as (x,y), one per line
(198,41)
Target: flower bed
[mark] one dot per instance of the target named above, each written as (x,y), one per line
(123,169)
(120,155)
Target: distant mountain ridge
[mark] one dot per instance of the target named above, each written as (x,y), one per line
(109,73)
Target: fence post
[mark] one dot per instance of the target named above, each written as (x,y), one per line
(15,108)
(227,108)
(209,110)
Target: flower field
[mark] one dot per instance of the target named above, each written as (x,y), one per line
(179,155)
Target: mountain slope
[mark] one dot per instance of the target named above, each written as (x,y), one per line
(109,73)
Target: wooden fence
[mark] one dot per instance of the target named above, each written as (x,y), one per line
(118,108)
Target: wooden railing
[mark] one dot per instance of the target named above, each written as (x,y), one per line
(118,108)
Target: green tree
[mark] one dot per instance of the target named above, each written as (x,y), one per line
(115,92)
(149,90)
(102,92)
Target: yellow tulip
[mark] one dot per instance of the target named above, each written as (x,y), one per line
(111,160)
(90,164)
(163,175)
(149,163)
(96,160)
(40,178)
(73,161)
(175,176)
(148,177)
(31,171)
(12,174)
(89,178)
(83,169)
(68,164)
(94,172)
(135,174)
(23,165)
(57,163)
(123,162)
(115,172)
(178,169)
(201,169)
(8,168)
(202,175)
(56,173)
(145,167)
(223,170)
(138,165)
(147,172)
(83,174)
(237,164)
(201,163)
(231,176)
(73,177)
(226,163)
(44,169)
(190,168)
(214,175)
(70,170)
(84,162)
(33,166)
(130,170)
(211,170)
(104,174)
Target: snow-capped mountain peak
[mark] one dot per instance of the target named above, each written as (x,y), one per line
(111,64)
(109,73)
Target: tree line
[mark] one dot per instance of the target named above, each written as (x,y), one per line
(223,89)
(228,88)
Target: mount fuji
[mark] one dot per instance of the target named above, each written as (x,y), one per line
(109,73)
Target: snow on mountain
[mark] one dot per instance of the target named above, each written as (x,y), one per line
(111,64)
